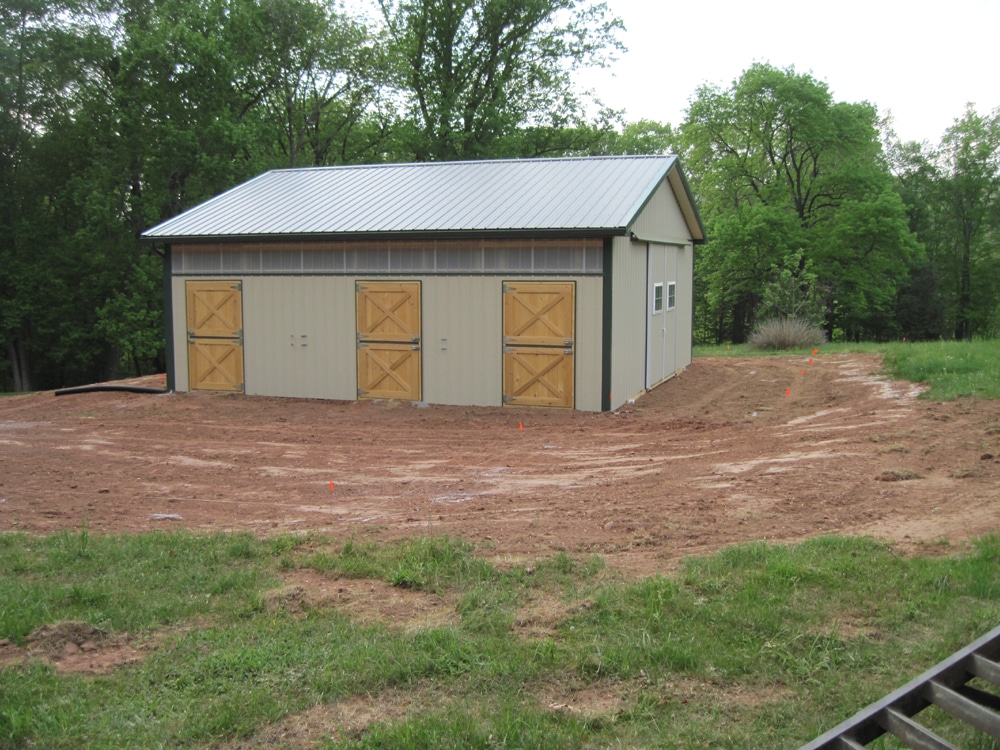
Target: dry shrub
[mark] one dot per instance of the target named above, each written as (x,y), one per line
(786,333)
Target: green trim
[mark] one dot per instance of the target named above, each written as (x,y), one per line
(168,318)
(608,299)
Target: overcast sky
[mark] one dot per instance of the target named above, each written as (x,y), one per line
(921,60)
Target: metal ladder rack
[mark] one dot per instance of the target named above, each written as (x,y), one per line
(944,685)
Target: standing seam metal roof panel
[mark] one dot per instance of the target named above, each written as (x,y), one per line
(579,193)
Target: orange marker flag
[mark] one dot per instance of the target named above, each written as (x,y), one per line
(815,352)
(331,486)
(788,391)
(520,425)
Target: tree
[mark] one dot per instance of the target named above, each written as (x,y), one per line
(48,51)
(318,77)
(487,78)
(640,137)
(969,159)
(952,195)
(780,168)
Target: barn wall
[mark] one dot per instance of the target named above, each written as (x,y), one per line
(589,319)
(300,336)
(685,303)
(463,339)
(661,220)
(628,320)
(179,331)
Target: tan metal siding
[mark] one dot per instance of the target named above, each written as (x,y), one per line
(179,307)
(299,336)
(661,220)
(462,340)
(462,337)
(685,303)
(673,316)
(628,335)
(589,320)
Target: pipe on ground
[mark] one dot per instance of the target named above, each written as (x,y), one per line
(96,388)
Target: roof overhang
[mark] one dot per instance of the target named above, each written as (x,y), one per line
(465,234)
(682,194)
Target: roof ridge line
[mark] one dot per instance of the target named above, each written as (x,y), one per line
(514,160)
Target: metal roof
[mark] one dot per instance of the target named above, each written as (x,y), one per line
(601,194)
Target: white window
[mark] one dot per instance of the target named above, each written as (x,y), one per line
(657,297)
(671,295)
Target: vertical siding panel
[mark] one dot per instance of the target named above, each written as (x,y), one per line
(672,316)
(181,383)
(589,318)
(299,336)
(462,340)
(628,336)
(685,304)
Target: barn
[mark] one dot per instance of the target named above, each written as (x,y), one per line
(536,282)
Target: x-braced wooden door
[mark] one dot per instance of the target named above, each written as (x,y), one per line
(215,335)
(539,335)
(388,339)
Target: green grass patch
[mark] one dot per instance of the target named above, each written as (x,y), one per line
(950,369)
(755,646)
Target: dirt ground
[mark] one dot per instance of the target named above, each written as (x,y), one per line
(731,450)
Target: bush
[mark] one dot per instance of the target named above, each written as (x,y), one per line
(786,333)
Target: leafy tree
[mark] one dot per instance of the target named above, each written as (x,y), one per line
(640,137)
(48,50)
(952,194)
(779,168)
(318,76)
(970,162)
(487,78)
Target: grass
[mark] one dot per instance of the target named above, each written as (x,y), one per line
(755,646)
(951,369)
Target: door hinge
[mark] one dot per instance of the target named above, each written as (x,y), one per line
(238,286)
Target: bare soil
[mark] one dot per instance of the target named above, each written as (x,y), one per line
(731,450)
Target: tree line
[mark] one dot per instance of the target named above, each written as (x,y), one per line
(118,114)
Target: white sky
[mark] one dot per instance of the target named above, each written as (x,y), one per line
(921,60)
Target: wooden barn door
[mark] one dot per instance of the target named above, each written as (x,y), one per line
(388,339)
(215,335)
(538,336)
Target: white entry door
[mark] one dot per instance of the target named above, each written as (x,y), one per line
(661,324)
